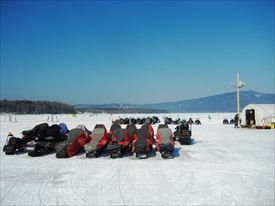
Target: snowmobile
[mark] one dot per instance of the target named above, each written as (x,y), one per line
(155,120)
(141,121)
(232,121)
(164,141)
(183,134)
(132,121)
(190,121)
(225,121)
(13,145)
(167,120)
(197,122)
(177,121)
(42,139)
(119,143)
(124,121)
(99,141)
(35,149)
(77,138)
(142,141)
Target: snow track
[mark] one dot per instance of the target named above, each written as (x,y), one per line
(226,166)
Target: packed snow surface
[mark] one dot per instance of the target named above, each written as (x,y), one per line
(226,166)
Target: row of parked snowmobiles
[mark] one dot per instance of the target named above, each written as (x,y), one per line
(225,121)
(139,121)
(44,139)
(168,120)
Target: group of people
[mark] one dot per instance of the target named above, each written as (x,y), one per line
(44,139)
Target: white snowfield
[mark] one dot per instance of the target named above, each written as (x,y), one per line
(226,166)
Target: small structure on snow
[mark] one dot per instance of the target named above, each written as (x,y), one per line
(258,115)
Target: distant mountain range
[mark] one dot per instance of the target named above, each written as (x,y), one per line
(218,103)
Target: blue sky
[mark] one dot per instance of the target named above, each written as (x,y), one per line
(134,51)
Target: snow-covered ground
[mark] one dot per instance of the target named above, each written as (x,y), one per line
(226,166)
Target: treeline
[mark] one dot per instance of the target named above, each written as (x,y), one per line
(34,107)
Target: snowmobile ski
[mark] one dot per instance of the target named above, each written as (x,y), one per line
(93,154)
(141,155)
(166,155)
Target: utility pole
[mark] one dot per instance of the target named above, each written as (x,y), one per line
(239,84)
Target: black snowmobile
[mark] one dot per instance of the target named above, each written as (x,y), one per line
(155,120)
(167,120)
(232,121)
(177,121)
(197,122)
(13,145)
(132,121)
(40,148)
(183,134)
(42,139)
(141,121)
(225,121)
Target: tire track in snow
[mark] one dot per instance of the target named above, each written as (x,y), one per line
(230,196)
(74,191)
(45,188)
(44,182)
(72,185)
(119,187)
(39,194)
(8,191)
(39,191)
(60,193)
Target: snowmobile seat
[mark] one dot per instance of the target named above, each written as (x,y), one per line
(150,133)
(131,129)
(98,142)
(165,142)
(165,135)
(142,142)
(119,144)
(114,127)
